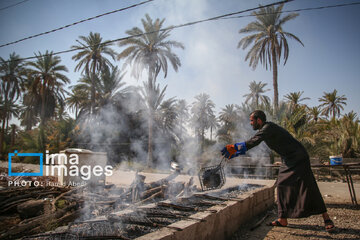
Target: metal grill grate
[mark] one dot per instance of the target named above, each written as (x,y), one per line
(211,178)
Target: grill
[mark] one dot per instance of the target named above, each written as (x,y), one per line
(130,224)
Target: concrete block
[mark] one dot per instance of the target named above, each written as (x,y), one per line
(220,225)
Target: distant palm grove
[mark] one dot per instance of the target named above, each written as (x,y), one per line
(101,112)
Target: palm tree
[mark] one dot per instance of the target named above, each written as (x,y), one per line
(202,111)
(76,100)
(294,99)
(214,124)
(167,116)
(91,57)
(152,97)
(270,41)
(256,94)
(228,117)
(80,97)
(28,117)
(314,113)
(332,103)
(11,74)
(31,101)
(343,136)
(150,50)
(111,86)
(182,110)
(349,138)
(48,85)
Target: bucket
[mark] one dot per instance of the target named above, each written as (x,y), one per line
(336,160)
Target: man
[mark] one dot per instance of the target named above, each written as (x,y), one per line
(297,192)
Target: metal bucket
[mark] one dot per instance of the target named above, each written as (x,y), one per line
(336,160)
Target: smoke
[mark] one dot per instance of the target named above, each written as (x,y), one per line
(122,131)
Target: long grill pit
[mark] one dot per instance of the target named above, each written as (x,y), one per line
(210,215)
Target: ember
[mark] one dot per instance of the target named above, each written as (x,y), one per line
(211,180)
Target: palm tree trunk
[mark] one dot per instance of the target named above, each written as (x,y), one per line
(13,136)
(275,81)
(2,135)
(93,90)
(151,117)
(42,119)
(202,139)
(181,129)
(150,150)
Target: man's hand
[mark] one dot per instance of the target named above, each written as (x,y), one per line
(231,151)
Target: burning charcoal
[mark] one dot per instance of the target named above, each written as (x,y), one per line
(134,231)
(47,236)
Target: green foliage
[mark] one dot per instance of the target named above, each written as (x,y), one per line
(332,104)
(202,111)
(269,40)
(36,95)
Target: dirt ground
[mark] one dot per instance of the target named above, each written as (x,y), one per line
(345,216)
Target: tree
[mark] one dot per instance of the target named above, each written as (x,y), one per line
(167,116)
(11,74)
(270,41)
(111,86)
(202,111)
(332,104)
(294,99)
(150,50)
(152,97)
(92,57)
(315,113)
(228,117)
(76,100)
(256,94)
(28,117)
(214,124)
(349,138)
(48,86)
(31,101)
(182,110)
(110,90)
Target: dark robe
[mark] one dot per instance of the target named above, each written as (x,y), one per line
(297,192)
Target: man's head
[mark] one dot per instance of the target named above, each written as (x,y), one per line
(257,119)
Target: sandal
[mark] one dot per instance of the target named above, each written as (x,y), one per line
(276,223)
(329,225)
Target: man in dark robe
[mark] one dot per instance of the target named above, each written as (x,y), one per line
(298,195)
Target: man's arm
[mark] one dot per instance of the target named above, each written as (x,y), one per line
(257,138)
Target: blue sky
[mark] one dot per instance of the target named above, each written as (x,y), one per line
(211,62)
